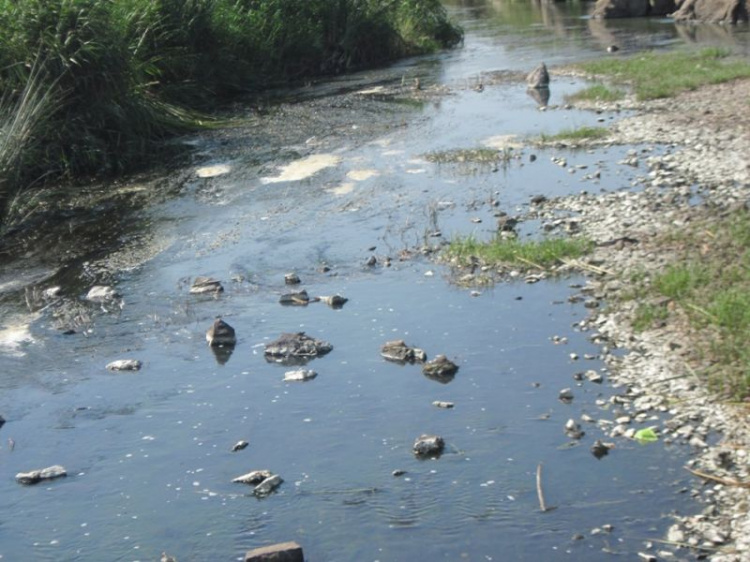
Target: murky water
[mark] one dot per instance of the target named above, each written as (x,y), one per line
(148,453)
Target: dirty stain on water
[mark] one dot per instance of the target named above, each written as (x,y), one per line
(318,186)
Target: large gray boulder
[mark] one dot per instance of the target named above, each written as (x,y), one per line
(712,11)
(282,552)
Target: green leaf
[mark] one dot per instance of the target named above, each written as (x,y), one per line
(646,435)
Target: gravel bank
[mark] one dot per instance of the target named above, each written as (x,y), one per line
(704,173)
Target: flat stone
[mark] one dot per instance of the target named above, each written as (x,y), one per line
(398,351)
(101,293)
(281,552)
(254,477)
(203,285)
(300,375)
(125,365)
(36,476)
(297,345)
(298,298)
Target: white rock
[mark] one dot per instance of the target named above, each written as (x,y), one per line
(125,365)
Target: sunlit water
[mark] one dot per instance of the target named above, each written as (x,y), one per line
(148,453)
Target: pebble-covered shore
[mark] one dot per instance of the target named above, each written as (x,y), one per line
(701,170)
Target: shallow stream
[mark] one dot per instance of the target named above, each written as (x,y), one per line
(320,178)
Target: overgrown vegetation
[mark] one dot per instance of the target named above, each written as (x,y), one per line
(113,78)
(655,76)
(502,251)
(579,134)
(597,92)
(709,288)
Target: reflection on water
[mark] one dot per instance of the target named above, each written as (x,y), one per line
(149,453)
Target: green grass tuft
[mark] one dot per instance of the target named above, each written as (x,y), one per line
(597,92)
(510,251)
(579,134)
(710,290)
(654,76)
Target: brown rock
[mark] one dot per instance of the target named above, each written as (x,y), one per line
(712,11)
(282,552)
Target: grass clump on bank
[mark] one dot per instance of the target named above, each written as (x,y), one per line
(654,76)
(709,290)
(118,77)
(597,92)
(502,251)
(579,134)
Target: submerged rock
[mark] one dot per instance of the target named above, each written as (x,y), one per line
(600,449)
(35,476)
(268,485)
(254,477)
(539,77)
(296,346)
(300,298)
(102,293)
(2,421)
(239,446)
(300,375)
(125,365)
(398,351)
(441,369)
(428,446)
(203,285)
(282,552)
(221,333)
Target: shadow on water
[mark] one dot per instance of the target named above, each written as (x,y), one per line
(149,453)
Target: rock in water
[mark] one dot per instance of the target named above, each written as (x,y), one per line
(282,552)
(398,351)
(221,333)
(239,446)
(442,404)
(292,279)
(539,77)
(428,446)
(2,421)
(335,301)
(101,293)
(600,449)
(167,558)
(440,368)
(296,346)
(268,485)
(300,298)
(35,476)
(254,477)
(125,365)
(300,375)
(203,285)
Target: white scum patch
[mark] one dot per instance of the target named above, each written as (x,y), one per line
(304,168)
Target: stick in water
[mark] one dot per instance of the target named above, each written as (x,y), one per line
(539,491)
